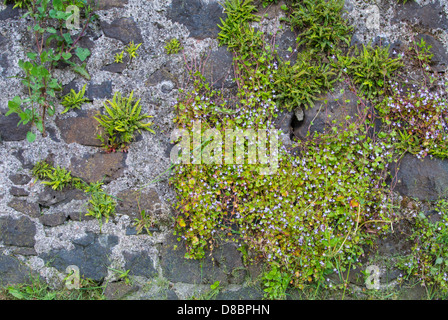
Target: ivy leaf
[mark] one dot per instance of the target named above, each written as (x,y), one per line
(67,38)
(31,55)
(66,55)
(57,4)
(14,105)
(82,53)
(30,137)
(51,30)
(39,126)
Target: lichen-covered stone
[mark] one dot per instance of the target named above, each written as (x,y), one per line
(29,208)
(132,202)
(93,168)
(81,129)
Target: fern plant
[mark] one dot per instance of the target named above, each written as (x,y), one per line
(370,69)
(173,46)
(42,170)
(119,57)
(100,204)
(131,49)
(18,3)
(322,24)
(58,178)
(301,84)
(74,100)
(239,14)
(122,119)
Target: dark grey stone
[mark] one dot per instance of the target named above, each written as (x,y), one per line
(230,261)
(17,232)
(118,290)
(123,29)
(12,271)
(425,179)
(139,264)
(25,207)
(49,197)
(24,251)
(91,255)
(88,239)
(19,179)
(201,18)
(54,219)
(178,269)
(171,295)
(412,291)
(132,231)
(284,121)
(226,267)
(52,134)
(18,192)
(9,12)
(80,216)
(115,67)
(69,86)
(287,40)
(245,293)
(9,131)
(218,69)
(165,73)
(4,63)
(99,91)
(390,275)
(431,16)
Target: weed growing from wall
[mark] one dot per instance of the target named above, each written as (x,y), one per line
(49,26)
